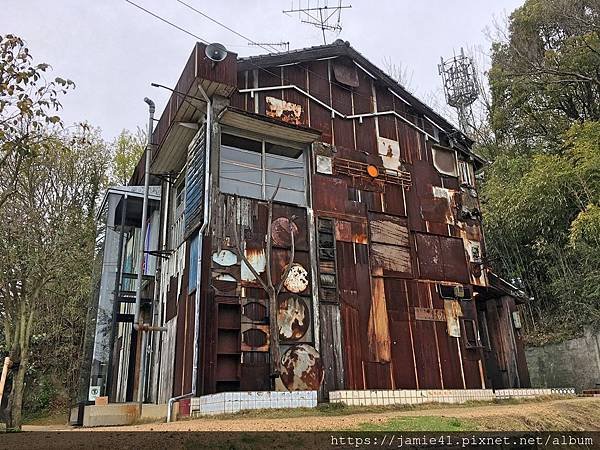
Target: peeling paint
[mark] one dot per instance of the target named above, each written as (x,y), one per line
(225,258)
(297,279)
(280,231)
(285,111)
(453,313)
(301,368)
(257,259)
(389,150)
(293,318)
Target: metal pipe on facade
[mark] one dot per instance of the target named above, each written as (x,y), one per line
(205,220)
(137,321)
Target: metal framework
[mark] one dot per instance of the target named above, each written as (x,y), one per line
(460,87)
(320,14)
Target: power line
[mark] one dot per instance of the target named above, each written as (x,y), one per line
(249,59)
(168,22)
(227,28)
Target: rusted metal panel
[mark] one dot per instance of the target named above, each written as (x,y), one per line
(293,317)
(362,101)
(255,337)
(329,194)
(454,263)
(391,258)
(386,229)
(285,111)
(318,86)
(453,314)
(352,355)
(389,150)
(351,231)
(257,259)
(441,258)
(296,75)
(331,347)
(301,368)
(431,314)
(297,280)
(385,102)
(345,72)
(378,331)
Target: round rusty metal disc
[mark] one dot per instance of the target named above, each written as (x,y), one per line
(297,279)
(293,318)
(301,368)
(280,231)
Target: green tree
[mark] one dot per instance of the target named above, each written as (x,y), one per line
(28,103)
(544,74)
(47,237)
(128,148)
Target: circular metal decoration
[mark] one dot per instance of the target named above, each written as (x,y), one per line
(280,231)
(301,368)
(293,318)
(372,171)
(297,279)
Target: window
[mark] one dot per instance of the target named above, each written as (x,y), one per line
(253,168)
(465,172)
(444,160)
(470,334)
(177,212)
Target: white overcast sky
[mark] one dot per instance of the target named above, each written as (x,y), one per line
(113,51)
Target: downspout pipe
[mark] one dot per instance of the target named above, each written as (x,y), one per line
(138,324)
(205,221)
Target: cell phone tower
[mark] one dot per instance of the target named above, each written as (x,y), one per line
(460,87)
(320,14)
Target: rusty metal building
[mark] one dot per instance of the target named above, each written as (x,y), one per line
(389,286)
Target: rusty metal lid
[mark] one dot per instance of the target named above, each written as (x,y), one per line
(301,368)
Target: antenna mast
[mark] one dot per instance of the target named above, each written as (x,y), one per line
(320,14)
(461,88)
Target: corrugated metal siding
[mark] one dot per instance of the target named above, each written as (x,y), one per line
(194,182)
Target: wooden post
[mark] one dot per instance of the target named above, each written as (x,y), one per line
(5,367)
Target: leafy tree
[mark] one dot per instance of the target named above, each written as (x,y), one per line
(28,103)
(128,148)
(545,75)
(47,237)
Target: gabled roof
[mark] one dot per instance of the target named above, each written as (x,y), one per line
(343,48)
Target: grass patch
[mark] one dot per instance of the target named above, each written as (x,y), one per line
(419,423)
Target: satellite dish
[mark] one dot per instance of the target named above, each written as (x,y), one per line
(215,52)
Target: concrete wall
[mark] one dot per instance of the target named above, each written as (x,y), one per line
(575,362)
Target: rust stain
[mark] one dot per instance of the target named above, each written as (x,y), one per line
(224,258)
(297,279)
(301,368)
(378,331)
(453,313)
(280,232)
(255,337)
(293,318)
(431,314)
(391,257)
(257,259)
(389,150)
(284,111)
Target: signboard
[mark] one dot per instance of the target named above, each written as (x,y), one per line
(94,393)
(437,315)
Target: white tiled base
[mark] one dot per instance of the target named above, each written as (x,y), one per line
(230,402)
(415,397)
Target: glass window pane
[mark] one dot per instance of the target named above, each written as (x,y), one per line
(241,173)
(287,181)
(242,189)
(295,166)
(240,142)
(245,157)
(282,150)
(287,195)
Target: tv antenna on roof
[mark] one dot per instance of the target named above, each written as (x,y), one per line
(461,87)
(320,14)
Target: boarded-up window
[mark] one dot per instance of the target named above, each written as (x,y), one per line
(390,251)
(471,337)
(327,267)
(444,160)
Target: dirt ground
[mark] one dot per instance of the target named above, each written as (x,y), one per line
(578,414)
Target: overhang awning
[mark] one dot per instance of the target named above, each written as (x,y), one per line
(499,286)
(257,123)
